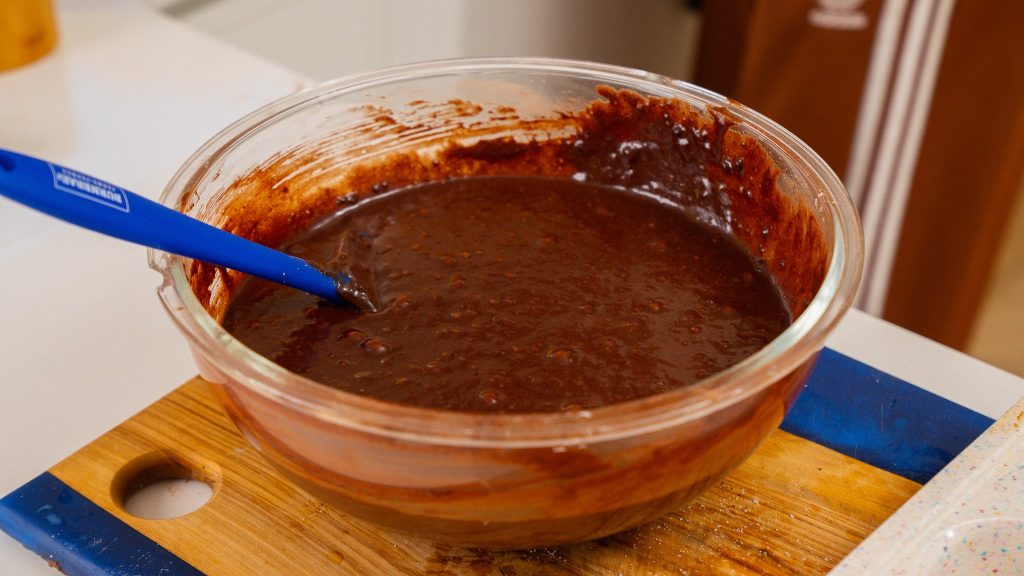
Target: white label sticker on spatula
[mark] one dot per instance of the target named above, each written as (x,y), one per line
(85,186)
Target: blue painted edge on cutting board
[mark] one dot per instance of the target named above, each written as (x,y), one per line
(881,420)
(78,537)
(847,406)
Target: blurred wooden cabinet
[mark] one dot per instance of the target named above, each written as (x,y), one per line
(918,105)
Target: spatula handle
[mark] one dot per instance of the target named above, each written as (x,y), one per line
(102,207)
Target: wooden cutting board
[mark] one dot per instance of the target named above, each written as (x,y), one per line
(794,507)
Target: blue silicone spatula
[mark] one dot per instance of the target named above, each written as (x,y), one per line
(97,205)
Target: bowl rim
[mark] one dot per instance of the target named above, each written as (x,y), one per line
(794,347)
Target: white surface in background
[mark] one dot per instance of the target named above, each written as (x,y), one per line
(127,97)
(329,38)
(84,342)
(927,364)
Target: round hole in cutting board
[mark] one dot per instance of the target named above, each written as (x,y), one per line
(163,485)
(168,499)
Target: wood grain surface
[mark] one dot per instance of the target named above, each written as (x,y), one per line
(794,507)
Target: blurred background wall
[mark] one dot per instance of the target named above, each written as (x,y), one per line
(330,38)
(917,104)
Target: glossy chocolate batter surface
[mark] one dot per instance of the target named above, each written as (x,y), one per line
(516,294)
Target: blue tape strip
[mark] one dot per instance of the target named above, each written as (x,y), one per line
(879,419)
(79,537)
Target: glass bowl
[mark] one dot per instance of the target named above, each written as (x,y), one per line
(499,481)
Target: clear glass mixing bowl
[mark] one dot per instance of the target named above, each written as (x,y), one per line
(472,479)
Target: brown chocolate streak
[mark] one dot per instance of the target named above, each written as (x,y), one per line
(692,157)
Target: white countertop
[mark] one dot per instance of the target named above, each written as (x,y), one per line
(84,342)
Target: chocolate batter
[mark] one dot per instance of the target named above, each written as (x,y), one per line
(516,294)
